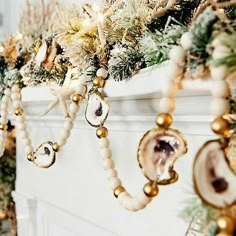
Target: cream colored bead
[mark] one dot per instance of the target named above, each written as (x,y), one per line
(174,70)
(219,107)
(65,134)
(72,117)
(108,164)
(106,153)
(20,119)
(74,108)
(104,143)
(15,96)
(167,105)
(220,52)
(68,125)
(4,99)
(169,88)
(83,79)
(26,141)
(4,113)
(80,89)
(15,88)
(220,89)
(16,104)
(4,106)
(219,72)
(102,73)
(186,40)
(111,173)
(21,126)
(177,54)
(7,92)
(114,182)
(23,134)
(62,141)
(3,134)
(3,120)
(143,199)
(28,149)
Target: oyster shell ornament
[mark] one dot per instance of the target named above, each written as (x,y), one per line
(44,156)
(214,180)
(97,108)
(158,150)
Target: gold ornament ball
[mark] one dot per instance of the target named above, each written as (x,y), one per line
(102,132)
(99,82)
(220,126)
(164,120)
(150,189)
(56,147)
(30,157)
(226,224)
(118,190)
(3,127)
(77,98)
(18,111)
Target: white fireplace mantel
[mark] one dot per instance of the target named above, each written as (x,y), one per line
(73,198)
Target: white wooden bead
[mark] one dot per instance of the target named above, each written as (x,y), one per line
(15,88)
(26,141)
(114,182)
(167,105)
(80,89)
(219,106)
(143,199)
(24,134)
(106,153)
(68,125)
(3,120)
(122,196)
(4,106)
(83,79)
(4,113)
(108,164)
(4,99)
(177,54)
(3,134)
(186,40)
(74,108)
(62,141)
(21,126)
(218,72)
(220,52)
(65,134)
(7,92)
(16,104)
(169,88)
(220,89)
(104,143)
(174,70)
(28,149)
(20,119)
(15,96)
(111,173)
(102,73)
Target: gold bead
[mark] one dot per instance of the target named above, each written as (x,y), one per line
(102,132)
(30,156)
(220,126)
(77,98)
(226,224)
(118,190)
(3,127)
(56,147)
(19,111)
(164,120)
(99,82)
(150,189)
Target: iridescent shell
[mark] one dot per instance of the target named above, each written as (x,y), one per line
(97,109)
(158,151)
(44,156)
(213,178)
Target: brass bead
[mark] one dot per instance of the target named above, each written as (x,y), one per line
(19,111)
(226,224)
(164,120)
(118,190)
(30,156)
(99,82)
(220,126)
(102,132)
(3,127)
(56,147)
(150,189)
(77,98)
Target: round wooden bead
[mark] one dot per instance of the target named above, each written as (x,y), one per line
(143,198)
(220,107)
(65,134)
(15,96)
(186,40)
(102,73)
(24,134)
(106,153)
(177,54)
(28,149)
(220,52)
(15,88)
(81,89)
(114,182)
(111,173)
(104,142)
(7,92)
(62,141)
(169,88)
(226,224)
(218,72)
(68,125)
(167,105)
(108,164)
(174,70)
(16,104)
(118,190)
(220,89)
(26,141)
(74,108)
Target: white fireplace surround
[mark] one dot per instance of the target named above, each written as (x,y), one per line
(73,198)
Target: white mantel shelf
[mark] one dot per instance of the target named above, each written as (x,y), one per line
(73,198)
